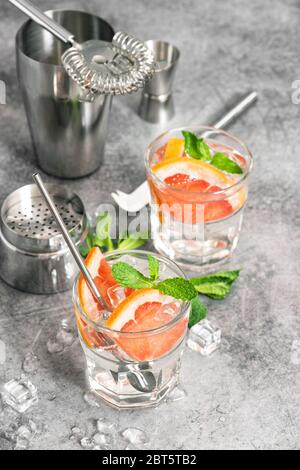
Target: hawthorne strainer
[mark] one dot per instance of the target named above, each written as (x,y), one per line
(33,254)
(99,67)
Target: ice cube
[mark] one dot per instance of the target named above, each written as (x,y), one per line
(21,444)
(54,347)
(204,337)
(34,428)
(104,426)
(135,436)
(20,394)
(171,309)
(138,263)
(91,399)
(24,432)
(103,440)
(116,295)
(51,396)
(76,431)
(87,443)
(64,338)
(30,363)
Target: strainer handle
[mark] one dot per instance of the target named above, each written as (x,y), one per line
(43,20)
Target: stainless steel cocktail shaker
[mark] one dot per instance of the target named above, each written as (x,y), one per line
(68,134)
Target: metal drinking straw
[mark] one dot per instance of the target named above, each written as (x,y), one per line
(65,233)
(143,381)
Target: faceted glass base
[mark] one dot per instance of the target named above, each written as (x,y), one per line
(114,384)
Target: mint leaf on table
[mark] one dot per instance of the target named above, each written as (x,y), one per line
(127,276)
(153,267)
(216,286)
(221,161)
(198,312)
(196,147)
(177,287)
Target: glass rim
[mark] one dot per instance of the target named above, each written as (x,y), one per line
(197,128)
(183,310)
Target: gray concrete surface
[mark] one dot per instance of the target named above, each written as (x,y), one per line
(247,394)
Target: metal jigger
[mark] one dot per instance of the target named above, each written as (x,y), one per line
(157,104)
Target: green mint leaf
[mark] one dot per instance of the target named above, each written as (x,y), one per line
(198,312)
(196,147)
(153,267)
(127,276)
(216,286)
(103,228)
(132,241)
(83,250)
(223,162)
(216,291)
(178,288)
(203,150)
(87,245)
(190,144)
(106,243)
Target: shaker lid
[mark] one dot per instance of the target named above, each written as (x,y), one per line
(116,68)
(27,223)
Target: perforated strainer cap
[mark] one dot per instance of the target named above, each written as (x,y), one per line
(27,223)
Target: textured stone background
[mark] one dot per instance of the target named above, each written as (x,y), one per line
(228,48)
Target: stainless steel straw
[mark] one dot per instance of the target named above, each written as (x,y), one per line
(65,233)
(235,112)
(143,381)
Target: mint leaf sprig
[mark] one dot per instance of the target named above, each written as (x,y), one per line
(216,286)
(196,148)
(101,237)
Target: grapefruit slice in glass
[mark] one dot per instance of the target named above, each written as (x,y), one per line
(139,317)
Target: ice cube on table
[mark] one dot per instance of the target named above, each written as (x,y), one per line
(105,426)
(204,337)
(63,339)
(21,444)
(30,363)
(103,440)
(135,436)
(87,443)
(24,432)
(20,394)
